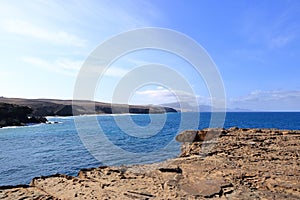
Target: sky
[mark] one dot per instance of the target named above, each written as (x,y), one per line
(254,44)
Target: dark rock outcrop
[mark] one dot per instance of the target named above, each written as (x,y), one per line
(15,115)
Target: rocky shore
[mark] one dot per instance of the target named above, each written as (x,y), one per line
(15,115)
(237,164)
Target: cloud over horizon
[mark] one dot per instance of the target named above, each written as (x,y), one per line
(161,95)
(273,100)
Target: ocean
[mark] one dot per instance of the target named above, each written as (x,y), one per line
(66,147)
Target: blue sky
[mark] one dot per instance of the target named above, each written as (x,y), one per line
(255,45)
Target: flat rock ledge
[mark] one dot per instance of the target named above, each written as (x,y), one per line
(237,164)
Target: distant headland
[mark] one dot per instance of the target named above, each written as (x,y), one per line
(19,111)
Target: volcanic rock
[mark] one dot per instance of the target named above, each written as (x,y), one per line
(240,164)
(14,115)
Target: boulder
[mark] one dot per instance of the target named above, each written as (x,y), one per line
(199,135)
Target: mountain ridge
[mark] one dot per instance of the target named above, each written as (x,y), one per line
(187,107)
(60,107)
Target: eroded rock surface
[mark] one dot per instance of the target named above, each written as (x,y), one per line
(238,164)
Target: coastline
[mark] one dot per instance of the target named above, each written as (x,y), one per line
(21,112)
(16,115)
(241,164)
(59,107)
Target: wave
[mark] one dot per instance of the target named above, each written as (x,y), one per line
(26,126)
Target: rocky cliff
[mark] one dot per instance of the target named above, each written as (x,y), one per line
(238,164)
(15,115)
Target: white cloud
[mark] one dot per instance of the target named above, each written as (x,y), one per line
(57,37)
(161,95)
(156,95)
(70,67)
(60,65)
(274,100)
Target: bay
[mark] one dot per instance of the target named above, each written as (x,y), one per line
(45,149)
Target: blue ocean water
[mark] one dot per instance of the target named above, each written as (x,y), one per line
(45,149)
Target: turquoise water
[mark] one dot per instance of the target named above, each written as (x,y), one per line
(44,149)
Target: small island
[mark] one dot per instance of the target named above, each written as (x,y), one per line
(241,164)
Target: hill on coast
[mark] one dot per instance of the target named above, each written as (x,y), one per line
(56,107)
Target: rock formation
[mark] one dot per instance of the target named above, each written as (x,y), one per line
(240,164)
(14,115)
